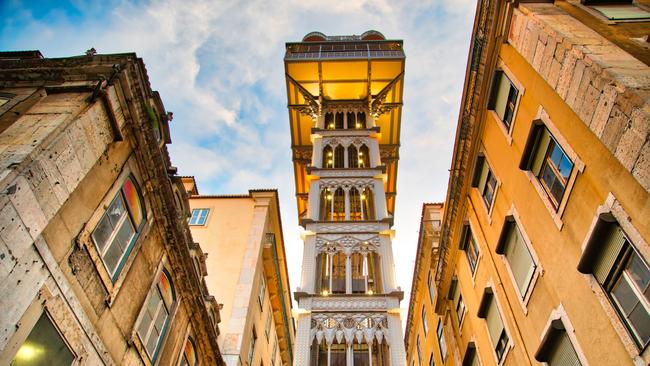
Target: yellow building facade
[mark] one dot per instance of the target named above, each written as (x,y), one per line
(241,236)
(543,254)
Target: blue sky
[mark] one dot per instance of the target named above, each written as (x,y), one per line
(218,66)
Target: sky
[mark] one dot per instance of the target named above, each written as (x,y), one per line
(218,66)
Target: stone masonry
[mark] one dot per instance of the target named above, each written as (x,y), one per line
(605,86)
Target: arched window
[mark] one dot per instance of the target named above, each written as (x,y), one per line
(352,120)
(329,120)
(339,157)
(328,157)
(367,204)
(355,204)
(364,157)
(365,269)
(155,320)
(189,354)
(353,157)
(326,205)
(339,120)
(119,227)
(361,120)
(339,205)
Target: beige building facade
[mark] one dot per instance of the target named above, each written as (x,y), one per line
(96,257)
(241,236)
(543,255)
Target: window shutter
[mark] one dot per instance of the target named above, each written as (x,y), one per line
(610,249)
(494,322)
(464,236)
(563,353)
(540,151)
(485,169)
(502,89)
(520,260)
(478,170)
(452,289)
(531,142)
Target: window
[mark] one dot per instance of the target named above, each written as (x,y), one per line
(329,120)
(367,204)
(353,157)
(489,311)
(440,331)
(275,351)
(118,228)
(418,346)
(459,304)
(432,361)
(624,276)
(328,157)
(251,348)
(470,358)
(355,204)
(425,322)
(267,329)
(189,354)
(364,157)
(361,120)
(199,216)
(262,293)
(339,120)
(155,314)
(614,11)
(504,98)
(556,348)
(431,287)
(364,272)
(544,157)
(339,157)
(511,244)
(43,346)
(485,181)
(469,246)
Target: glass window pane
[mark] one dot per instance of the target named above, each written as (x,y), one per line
(640,320)
(624,296)
(125,235)
(102,233)
(565,167)
(43,347)
(116,210)
(638,271)
(556,155)
(112,256)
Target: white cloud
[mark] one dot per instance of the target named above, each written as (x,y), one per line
(218,67)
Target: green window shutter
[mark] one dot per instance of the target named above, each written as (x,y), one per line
(563,353)
(494,322)
(520,260)
(540,151)
(501,97)
(610,249)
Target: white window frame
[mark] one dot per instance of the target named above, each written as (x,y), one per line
(198,221)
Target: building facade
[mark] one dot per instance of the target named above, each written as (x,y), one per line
(423,327)
(544,250)
(345,98)
(245,261)
(96,255)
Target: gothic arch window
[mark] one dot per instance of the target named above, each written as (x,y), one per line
(367,204)
(326,205)
(339,120)
(365,267)
(338,206)
(329,120)
(352,120)
(156,314)
(328,157)
(339,157)
(364,157)
(355,205)
(361,120)
(353,157)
